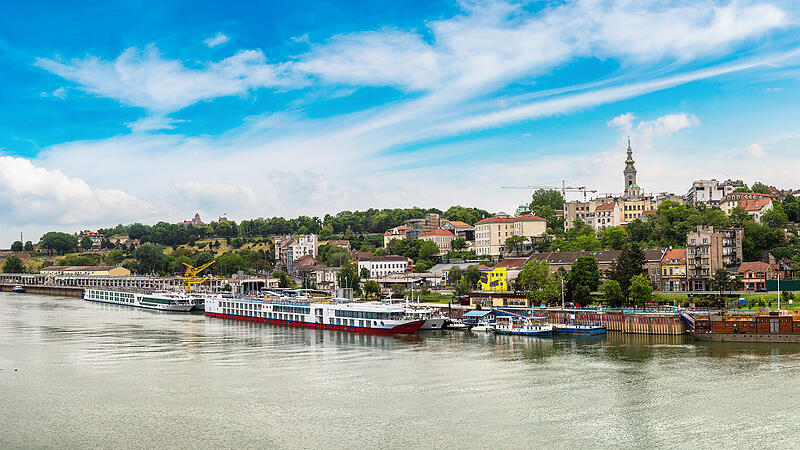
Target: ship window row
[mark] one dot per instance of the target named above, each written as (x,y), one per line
(291,309)
(368,315)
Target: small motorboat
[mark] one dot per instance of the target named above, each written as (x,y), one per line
(456,324)
(18,289)
(483,327)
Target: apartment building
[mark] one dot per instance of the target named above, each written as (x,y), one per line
(379,266)
(491,233)
(709,249)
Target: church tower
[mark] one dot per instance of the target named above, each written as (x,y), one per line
(631,188)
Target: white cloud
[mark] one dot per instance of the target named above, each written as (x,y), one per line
(667,124)
(33,194)
(623,121)
(145,79)
(60,93)
(217,39)
(152,123)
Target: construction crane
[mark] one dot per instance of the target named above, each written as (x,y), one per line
(190,277)
(564,189)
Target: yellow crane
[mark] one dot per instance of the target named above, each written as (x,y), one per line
(190,277)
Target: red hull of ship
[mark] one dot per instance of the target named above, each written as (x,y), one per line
(406,328)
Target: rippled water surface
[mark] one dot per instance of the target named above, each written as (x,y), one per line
(81,374)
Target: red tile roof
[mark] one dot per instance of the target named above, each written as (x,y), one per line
(512,263)
(605,207)
(400,230)
(437,233)
(754,266)
(459,224)
(754,204)
(676,254)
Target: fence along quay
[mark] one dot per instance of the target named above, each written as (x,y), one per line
(634,321)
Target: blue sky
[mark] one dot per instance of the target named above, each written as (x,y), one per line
(128,111)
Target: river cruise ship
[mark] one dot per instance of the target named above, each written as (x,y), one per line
(162,301)
(323,314)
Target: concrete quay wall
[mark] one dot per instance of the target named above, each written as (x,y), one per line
(626,322)
(47,290)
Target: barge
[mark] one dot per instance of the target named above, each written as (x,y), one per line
(761,326)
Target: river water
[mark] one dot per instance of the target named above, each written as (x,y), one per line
(82,374)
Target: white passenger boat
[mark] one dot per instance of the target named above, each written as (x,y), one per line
(325,314)
(526,326)
(18,289)
(162,301)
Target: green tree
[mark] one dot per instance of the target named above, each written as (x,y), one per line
(372,288)
(759,188)
(738,217)
(614,238)
(86,243)
(397,290)
(427,249)
(538,282)
(14,265)
(150,258)
(775,217)
(641,291)
(547,197)
(514,243)
(237,242)
(612,293)
(722,281)
(57,242)
(16,246)
(472,275)
(230,263)
(462,288)
(454,276)
(364,273)
(585,272)
(348,276)
(629,264)
(283,280)
(458,243)
(582,295)
(28,246)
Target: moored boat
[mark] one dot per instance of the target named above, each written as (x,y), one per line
(579,329)
(18,289)
(323,314)
(527,326)
(162,301)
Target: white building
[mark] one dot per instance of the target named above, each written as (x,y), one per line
(306,245)
(379,266)
(710,191)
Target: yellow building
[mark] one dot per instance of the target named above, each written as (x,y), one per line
(114,271)
(493,279)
